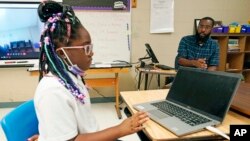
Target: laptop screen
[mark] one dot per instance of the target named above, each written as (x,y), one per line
(209,92)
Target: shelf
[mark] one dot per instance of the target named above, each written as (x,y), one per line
(246,70)
(230,34)
(233,70)
(234,61)
(235,52)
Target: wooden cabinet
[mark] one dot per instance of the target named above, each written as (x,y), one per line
(234,53)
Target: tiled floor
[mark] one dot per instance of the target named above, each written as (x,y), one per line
(105,114)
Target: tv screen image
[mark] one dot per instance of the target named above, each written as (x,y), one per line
(20,30)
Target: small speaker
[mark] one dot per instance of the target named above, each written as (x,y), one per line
(142,64)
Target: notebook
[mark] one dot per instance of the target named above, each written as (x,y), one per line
(197,99)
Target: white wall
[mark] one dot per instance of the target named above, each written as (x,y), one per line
(21,86)
(185,11)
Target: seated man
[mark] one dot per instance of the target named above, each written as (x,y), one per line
(198,50)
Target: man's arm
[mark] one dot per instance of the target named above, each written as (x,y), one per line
(214,62)
(199,63)
(212,68)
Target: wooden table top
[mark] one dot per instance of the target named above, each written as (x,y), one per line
(241,101)
(157,132)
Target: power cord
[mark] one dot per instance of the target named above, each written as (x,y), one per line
(217,131)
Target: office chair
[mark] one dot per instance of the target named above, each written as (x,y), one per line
(21,123)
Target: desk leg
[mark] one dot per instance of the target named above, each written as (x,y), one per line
(117,96)
(158,81)
(139,80)
(146,81)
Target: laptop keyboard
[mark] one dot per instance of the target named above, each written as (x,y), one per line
(184,115)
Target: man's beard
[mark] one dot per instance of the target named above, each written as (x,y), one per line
(201,39)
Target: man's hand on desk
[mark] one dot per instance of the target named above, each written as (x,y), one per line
(200,63)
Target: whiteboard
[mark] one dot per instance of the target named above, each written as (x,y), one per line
(110,33)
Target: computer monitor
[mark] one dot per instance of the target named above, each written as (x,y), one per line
(151,54)
(19,34)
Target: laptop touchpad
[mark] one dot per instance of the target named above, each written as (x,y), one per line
(157,114)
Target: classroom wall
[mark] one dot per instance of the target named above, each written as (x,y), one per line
(17,85)
(185,11)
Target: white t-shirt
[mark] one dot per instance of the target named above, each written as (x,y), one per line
(61,116)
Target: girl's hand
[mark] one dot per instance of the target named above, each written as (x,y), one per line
(133,124)
(33,138)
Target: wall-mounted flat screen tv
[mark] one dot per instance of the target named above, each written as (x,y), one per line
(20,30)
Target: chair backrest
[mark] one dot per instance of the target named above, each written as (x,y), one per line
(176,64)
(21,123)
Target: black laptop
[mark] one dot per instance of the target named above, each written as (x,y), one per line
(197,99)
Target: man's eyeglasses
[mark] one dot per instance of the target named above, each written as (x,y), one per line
(206,27)
(87,48)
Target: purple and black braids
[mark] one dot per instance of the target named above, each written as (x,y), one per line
(61,26)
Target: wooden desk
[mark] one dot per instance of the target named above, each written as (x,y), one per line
(157,71)
(104,82)
(157,133)
(242,98)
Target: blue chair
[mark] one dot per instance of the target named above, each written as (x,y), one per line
(21,123)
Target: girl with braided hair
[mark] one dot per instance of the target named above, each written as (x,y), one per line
(61,100)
